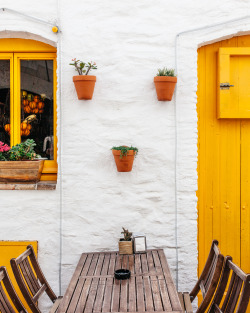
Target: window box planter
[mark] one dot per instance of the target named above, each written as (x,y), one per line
(84,85)
(21,171)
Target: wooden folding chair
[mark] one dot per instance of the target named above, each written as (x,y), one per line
(238,291)
(6,286)
(207,282)
(31,280)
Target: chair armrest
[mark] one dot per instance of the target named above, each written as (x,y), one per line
(56,304)
(185,301)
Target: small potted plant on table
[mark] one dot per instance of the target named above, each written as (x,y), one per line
(84,83)
(126,243)
(165,82)
(20,163)
(124,157)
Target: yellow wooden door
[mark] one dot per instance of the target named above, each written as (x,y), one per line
(224,150)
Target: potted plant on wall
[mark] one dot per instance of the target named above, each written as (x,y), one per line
(124,157)
(126,243)
(84,83)
(20,163)
(165,82)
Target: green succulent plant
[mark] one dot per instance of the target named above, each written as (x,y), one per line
(127,235)
(124,150)
(166,72)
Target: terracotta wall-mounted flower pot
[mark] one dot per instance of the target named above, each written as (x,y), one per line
(125,163)
(125,247)
(165,86)
(84,85)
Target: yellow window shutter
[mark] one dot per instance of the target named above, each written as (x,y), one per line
(233,83)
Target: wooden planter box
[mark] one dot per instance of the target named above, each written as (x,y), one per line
(21,171)
(125,247)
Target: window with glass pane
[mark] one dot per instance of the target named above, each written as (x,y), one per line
(37,105)
(5,101)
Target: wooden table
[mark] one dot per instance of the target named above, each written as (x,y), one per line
(93,287)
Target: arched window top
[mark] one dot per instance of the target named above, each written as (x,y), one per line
(24,45)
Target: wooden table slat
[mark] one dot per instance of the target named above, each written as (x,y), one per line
(131,264)
(99,265)
(112,264)
(175,303)
(164,295)
(91,296)
(106,305)
(156,293)
(72,285)
(148,294)
(115,296)
(106,264)
(83,298)
(99,295)
(93,264)
(151,267)
(124,296)
(139,285)
(132,295)
(144,263)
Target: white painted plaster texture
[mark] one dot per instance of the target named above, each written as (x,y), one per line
(129,40)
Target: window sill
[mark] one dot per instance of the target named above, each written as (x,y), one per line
(42,185)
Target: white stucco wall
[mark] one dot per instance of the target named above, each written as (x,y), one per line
(129,40)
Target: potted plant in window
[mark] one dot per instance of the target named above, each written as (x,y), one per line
(124,157)
(84,83)
(126,243)
(20,163)
(165,82)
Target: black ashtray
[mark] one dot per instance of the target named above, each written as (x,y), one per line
(122,274)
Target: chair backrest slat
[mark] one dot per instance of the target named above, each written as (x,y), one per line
(238,291)
(236,295)
(225,303)
(233,295)
(27,278)
(30,278)
(209,277)
(23,256)
(6,287)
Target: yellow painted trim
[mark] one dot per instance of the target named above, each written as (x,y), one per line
(9,56)
(24,45)
(227,106)
(50,166)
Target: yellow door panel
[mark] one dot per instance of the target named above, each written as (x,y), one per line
(245,195)
(12,249)
(224,150)
(233,70)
